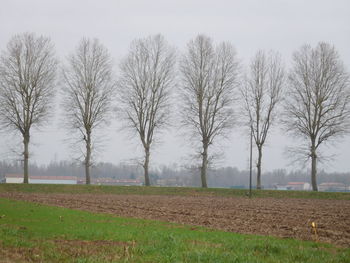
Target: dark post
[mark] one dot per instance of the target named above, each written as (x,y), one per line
(250,161)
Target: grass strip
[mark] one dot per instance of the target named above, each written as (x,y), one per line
(182,191)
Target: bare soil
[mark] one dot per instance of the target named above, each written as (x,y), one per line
(287,218)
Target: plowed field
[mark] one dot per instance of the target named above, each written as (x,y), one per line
(264,216)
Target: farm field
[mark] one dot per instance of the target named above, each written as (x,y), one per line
(37,233)
(192,225)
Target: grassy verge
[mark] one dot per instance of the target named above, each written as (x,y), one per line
(141,190)
(36,233)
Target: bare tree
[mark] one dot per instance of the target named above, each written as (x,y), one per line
(317,104)
(261,93)
(209,79)
(27,75)
(88,90)
(147,75)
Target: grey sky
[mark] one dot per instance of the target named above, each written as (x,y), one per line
(282,25)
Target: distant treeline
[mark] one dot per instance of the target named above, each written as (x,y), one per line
(173,174)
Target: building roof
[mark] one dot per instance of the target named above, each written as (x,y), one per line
(110,180)
(42,177)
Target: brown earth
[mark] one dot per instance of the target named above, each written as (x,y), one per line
(264,216)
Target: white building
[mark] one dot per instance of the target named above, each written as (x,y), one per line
(13,179)
(18,178)
(332,187)
(298,186)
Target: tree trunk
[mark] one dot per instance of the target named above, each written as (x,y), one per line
(145,166)
(26,139)
(258,166)
(204,166)
(88,158)
(313,168)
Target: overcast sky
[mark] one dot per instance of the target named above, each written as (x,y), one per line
(281,25)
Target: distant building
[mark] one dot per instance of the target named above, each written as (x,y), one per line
(280,187)
(332,187)
(169,182)
(33,179)
(110,181)
(297,186)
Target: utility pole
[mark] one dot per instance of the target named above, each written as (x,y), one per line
(250,161)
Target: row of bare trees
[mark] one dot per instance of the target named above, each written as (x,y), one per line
(312,100)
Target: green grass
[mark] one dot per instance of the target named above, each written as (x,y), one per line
(141,190)
(36,233)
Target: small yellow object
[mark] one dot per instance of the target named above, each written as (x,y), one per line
(314,226)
